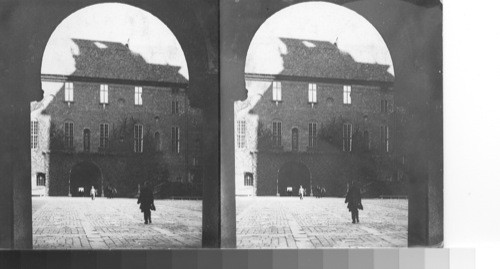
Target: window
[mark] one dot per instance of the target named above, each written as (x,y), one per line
(277,133)
(157,142)
(384,138)
(34,134)
(295,139)
(40,179)
(86,140)
(176,142)
(68,91)
(138,138)
(175,107)
(104,94)
(313,135)
(68,135)
(248,179)
(383,106)
(312,93)
(104,135)
(366,140)
(138,96)
(240,134)
(347,94)
(347,137)
(276,91)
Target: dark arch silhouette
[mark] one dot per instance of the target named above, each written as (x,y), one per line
(424,102)
(195,25)
(85,175)
(293,174)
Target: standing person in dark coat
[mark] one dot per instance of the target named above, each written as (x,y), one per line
(146,200)
(353,200)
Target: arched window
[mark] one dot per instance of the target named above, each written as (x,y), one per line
(295,139)
(347,137)
(157,142)
(138,138)
(68,135)
(86,140)
(277,133)
(366,140)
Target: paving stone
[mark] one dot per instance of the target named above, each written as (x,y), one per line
(288,222)
(80,223)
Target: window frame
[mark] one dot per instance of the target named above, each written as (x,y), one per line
(241,134)
(157,139)
(347,99)
(104,94)
(277,133)
(34,129)
(277,93)
(384,106)
(312,93)
(103,135)
(384,138)
(175,107)
(176,139)
(313,134)
(138,96)
(295,145)
(347,137)
(248,181)
(69,92)
(138,139)
(69,134)
(38,177)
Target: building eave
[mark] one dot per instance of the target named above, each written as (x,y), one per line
(271,77)
(98,80)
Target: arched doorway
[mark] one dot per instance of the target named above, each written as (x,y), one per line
(84,175)
(294,175)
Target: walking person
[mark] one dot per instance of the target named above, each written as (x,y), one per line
(301,192)
(93,192)
(353,200)
(146,200)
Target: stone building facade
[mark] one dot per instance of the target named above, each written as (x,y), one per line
(323,121)
(116,121)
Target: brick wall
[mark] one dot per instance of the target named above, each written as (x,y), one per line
(328,165)
(155,114)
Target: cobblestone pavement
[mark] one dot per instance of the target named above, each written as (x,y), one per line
(288,222)
(80,223)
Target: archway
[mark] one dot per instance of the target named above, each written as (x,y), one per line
(293,175)
(85,175)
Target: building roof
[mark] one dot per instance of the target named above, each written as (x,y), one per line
(113,60)
(322,59)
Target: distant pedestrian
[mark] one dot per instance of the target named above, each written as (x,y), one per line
(353,200)
(323,192)
(301,192)
(93,192)
(146,200)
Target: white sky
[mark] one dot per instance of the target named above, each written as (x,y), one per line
(315,21)
(113,22)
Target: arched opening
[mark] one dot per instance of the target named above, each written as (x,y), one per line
(291,176)
(106,70)
(83,177)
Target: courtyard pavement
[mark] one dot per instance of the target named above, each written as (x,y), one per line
(288,222)
(80,223)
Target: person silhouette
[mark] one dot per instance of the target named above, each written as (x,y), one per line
(301,192)
(93,192)
(353,200)
(146,199)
